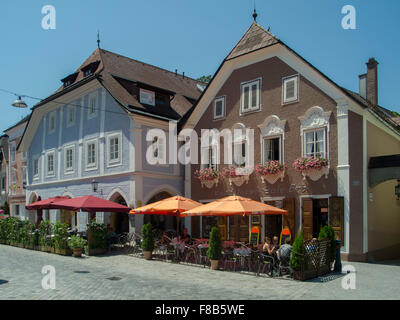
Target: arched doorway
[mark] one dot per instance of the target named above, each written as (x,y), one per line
(161,222)
(119,221)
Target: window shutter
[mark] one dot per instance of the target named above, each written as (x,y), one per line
(336,216)
(307,218)
(213,157)
(289,220)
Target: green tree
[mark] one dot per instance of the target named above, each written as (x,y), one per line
(297,252)
(148,237)
(205,79)
(214,250)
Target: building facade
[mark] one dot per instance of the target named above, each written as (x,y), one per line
(3,169)
(296,111)
(16,170)
(95,127)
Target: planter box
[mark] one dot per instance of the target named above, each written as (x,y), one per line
(304,275)
(95,252)
(64,252)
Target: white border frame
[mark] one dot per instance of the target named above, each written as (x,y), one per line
(96,144)
(93,95)
(250,83)
(66,148)
(117,162)
(35,177)
(296,87)
(217,99)
(53,173)
(52,114)
(72,123)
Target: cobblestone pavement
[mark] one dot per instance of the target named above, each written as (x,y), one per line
(86,278)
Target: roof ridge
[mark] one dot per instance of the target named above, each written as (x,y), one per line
(150,65)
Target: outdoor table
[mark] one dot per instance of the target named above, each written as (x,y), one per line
(243,254)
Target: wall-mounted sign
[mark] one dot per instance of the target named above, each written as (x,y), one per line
(147,97)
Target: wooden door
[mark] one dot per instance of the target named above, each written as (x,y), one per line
(244,229)
(289,220)
(221,224)
(307,218)
(336,216)
(234,228)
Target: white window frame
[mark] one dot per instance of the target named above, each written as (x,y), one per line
(118,161)
(94,166)
(52,115)
(249,84)
(92,96)
(66,149)
(50,173)
(325,130)
(280,137)
(214,150)
(69,110)
(35,176)
(223,115)
(296,89)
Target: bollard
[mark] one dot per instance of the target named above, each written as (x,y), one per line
(338,262)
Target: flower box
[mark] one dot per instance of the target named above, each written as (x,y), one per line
(237,176)
(312,167)
(208,177)
(271,171)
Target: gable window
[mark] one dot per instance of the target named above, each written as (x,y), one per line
(158,149)
(271,149)
(209,152)
(52,122)
(69,159)
(35,168)
(92,108)
(250,96)
(315,143)
(91,155)
(114,149)
(70,116)
(50,164)
(239,154)
(219,108)
(290,89)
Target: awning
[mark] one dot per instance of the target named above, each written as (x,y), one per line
(45,204)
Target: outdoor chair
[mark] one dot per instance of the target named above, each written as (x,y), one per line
(170,252)
(230,260)
(265,263)
(202,256)
(284,266)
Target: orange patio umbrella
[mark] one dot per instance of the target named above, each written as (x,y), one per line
(172,206)
(233,205)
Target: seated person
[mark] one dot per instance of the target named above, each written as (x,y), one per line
(165,240)
(267,246)
(275,245)
(284,252)
(185,237)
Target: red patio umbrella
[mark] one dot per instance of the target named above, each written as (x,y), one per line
(90,204)
(45,204)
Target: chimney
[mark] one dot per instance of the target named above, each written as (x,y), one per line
(372,81)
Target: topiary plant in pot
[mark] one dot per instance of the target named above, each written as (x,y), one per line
(148,240)
(214,251)
(297,256)
(327,232)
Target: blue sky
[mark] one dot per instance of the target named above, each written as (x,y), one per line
(192,36)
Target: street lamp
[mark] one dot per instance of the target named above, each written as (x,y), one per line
(397,190)
(95,184)
(19,103)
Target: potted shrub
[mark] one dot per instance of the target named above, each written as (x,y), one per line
(296,258)
(45,232)
(61,239)
(271,171)
(148,240)
(214,251)
(312,167)
(207,176)
(3,231)
(97,238)
(77,243)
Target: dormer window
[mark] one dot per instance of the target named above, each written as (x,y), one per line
(67,81)
(90,68)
